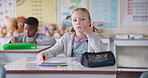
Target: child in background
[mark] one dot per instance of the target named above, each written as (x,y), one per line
(51,29)
(30,34)
(82,38)
(61,30)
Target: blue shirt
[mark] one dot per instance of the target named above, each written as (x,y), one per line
(79,48)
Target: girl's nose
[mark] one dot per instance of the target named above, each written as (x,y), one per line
(78,22)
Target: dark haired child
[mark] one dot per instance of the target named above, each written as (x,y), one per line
(30,34)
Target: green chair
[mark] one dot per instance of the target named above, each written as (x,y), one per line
(2,72)
(144,75)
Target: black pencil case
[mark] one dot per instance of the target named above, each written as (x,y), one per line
(91,59)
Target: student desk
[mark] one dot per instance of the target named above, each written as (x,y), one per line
(28,68)
(13,55)
(131,56)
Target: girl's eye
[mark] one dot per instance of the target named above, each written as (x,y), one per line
(74,20)
(82,19)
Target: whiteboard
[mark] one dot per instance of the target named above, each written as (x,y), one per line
(105,11)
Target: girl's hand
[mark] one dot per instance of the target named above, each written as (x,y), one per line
(42,57)
(86,27)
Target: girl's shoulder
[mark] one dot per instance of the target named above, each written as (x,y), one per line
(94,34)
(69,33)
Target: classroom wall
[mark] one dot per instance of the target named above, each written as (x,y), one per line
(44,10)
(49,16)
(126,29)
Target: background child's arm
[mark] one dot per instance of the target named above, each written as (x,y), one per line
(33,42)
(14,40)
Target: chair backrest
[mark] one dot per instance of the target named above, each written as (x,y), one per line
(2,72)
(144,75)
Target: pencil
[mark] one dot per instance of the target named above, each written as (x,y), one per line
(50,65)
(43,60)
(63,64)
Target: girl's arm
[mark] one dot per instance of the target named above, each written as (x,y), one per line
(56,49)
(95,42)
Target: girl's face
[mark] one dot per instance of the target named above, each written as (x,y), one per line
(79,17)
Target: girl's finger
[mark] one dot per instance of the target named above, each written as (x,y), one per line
(82,26)
(86,23)
(82,23)
(39,56)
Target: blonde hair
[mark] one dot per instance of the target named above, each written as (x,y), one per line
(89,17)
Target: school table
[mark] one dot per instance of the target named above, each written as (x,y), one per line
(28,68)
(13,55)
(131,56)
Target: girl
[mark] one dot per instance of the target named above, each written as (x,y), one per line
(82,38)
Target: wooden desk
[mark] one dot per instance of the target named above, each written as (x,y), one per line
(27,68)
(13,55)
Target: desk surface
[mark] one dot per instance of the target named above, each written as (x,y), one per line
(145,38)
(30,65)
(39,49)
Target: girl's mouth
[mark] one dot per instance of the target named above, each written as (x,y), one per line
(78,27)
